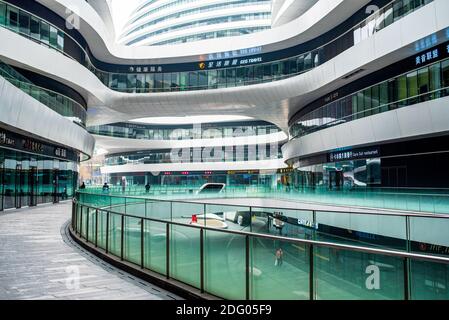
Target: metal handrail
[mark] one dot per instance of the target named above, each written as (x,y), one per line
(355,114)
(394,253)
(198,201)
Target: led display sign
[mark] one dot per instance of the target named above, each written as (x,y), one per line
(347,155)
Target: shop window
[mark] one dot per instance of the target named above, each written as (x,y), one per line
(60,40)
(412,88)
(423,84)
(230,77)
(212,78)
(239,75)
(12,18)
(131,83)
(2,13)
(53,37)
(34,28)
(24,22)
(445,74)
(221,78)
(45,32)
(308,61)
(174,81)
(435,80)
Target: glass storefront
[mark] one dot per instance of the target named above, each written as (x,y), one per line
(254,178)
(29,179)
(345,175)
(420,85)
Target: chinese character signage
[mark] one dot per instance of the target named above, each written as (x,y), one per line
(6,140)
(347,155)
(432,55)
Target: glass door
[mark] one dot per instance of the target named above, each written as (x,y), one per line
(55,186)
(32,186)
(18,190)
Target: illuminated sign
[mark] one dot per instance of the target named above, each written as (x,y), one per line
(232,62)
(145,69)
(4,139)
(347,155)
(427,57)
(235,53)
(60,152)
(432,55)
(31,145)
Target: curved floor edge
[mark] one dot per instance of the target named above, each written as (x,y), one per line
(174,286)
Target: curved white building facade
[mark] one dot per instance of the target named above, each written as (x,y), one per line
(180,21)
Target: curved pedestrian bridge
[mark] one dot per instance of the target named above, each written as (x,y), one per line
(327,253)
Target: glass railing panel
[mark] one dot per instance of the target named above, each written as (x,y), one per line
(155,246)
(135,206)
(132,240)
(118,204)
(83,222)
(115,229)
(185,254)
(224,265)
(385,231)
(183,212)
(429,235)
(279,270)
(102,223)
(78,218)
(158,209)
(281,221)
(429,280)
(350,275)
(233,217)
(91,226)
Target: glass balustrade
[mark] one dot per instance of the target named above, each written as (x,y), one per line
(37,29)
(417,86)
(238,262)
(57,102)
(406,199)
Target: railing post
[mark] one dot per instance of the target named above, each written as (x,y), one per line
(96,228)
(407,234)
(202,260)
(167,250)
(142,242)
(250,219)
(247,271)
(81,222)
(311,275)
(107,232)
(122,236)
(73,214)
(87,226)
(406,279)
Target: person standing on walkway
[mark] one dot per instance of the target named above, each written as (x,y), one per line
(123,184)
(279,257)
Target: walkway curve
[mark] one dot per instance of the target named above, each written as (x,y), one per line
(38,260)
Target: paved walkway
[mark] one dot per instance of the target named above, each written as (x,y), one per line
(38,260)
